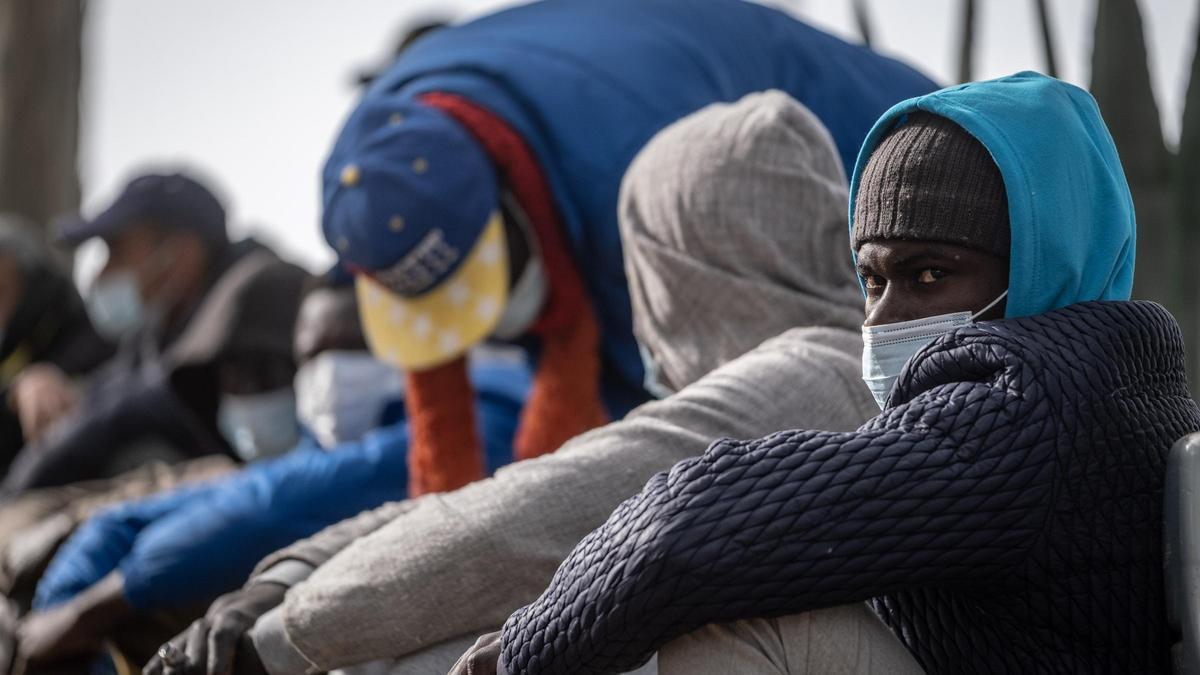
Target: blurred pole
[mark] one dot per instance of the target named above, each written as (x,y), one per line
(862,17)
(40,68)
(1187,194)
(1121,85)
(966,45)
(1043,13)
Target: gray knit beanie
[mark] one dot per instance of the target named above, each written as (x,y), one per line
(931,180)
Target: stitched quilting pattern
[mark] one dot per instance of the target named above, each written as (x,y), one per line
(1003,514)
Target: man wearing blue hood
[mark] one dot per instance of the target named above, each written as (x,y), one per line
(1003,513)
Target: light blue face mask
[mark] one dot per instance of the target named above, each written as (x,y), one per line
(116,307)
(886,348)
(259,426)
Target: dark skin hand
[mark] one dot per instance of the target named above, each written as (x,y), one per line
(481,659)
(75,628)
(220,643)
(908,280)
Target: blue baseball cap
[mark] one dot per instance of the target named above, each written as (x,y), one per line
(170,200)
(411,205)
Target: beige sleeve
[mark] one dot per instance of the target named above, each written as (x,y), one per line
(461,562)
(322,546)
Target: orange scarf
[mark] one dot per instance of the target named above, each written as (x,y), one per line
(444,452)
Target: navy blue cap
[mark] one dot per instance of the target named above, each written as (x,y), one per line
(407,193)
(168,200)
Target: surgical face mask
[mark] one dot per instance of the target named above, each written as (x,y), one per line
(886,348)
(652,378)
(528,293)
(115,305)
(259,426)
(524,302)
(341,395)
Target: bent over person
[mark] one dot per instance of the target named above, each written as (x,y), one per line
(1003,512)
(474,192)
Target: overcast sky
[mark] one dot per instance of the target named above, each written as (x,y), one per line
(253,93)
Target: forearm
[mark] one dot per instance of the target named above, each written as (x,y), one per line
(319,548)
(796,521)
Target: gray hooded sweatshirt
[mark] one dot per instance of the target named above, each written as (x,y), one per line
(733,222)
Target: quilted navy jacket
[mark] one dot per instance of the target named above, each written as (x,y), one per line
(1004,513)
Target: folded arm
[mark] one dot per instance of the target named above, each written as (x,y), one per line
(461,562)
(796,521)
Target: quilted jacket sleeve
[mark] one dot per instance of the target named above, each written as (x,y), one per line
(949,487)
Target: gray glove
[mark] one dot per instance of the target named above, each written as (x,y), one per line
(220,644)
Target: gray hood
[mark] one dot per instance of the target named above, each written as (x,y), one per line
(733,222)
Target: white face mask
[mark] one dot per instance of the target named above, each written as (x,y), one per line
(115,305)
(341,395)
(528,294)
(259,426)
(886,348)
(524,302)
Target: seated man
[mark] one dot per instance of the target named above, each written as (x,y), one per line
(225,386)
(733,226)
(43,327)
(1003,513)
(170,263)
(182,548)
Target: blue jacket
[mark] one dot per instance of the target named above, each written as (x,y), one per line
(586,83)
(193,544)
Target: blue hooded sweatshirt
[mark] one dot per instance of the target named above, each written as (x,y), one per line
(587,83)
(194,543)
(1069,206)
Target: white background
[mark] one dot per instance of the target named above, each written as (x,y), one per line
(251,94)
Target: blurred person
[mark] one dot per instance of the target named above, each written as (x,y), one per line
(173,553)
(196,315)
(733,226)
(220,394)
(474,191)
(45,335)
(1004,511)
(164,235)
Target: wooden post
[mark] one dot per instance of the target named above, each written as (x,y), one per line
(966,45)
(1187,198)
(1043,13)
(40,68)
(1121,85)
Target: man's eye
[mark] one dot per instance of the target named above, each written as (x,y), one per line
(872,282)
(930,275)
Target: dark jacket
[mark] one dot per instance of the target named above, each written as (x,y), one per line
(1004,512)
(50,325)
(165,405)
